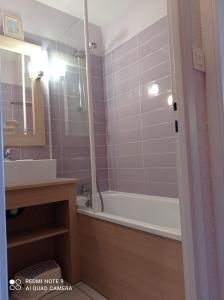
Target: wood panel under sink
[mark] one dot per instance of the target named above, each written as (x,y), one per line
(46,228)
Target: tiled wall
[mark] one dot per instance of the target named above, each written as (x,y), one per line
(99,121)
(70,133)
(140,129)
(138,150)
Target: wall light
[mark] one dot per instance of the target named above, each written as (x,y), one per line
(153,90)
(38,66)
(57,68)
(35,71)
(170,100)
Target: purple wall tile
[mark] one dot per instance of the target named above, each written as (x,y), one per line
(127,149)
(153,45)
(140,130)
(125,60)
(159,116)
(165,145)
(165,160)
(153,30)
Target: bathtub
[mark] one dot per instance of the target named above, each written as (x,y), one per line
(152,214)
(133,249)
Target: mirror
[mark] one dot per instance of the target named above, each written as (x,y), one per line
(22,93)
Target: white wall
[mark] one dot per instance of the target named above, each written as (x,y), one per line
(44,21)
(138,17)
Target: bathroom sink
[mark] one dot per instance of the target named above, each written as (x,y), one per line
(24,172)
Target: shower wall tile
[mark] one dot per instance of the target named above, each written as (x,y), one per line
(159,116)
(141,144)
(130,136)
(155,58)
(99,118)
(131,187)
(152,31)
(158,131)
(154,103)
(134,175)
(164,84)
(165,145)
(154,44)
(126,47)
(125,60)
(153,74)
(165,160)
(70,132)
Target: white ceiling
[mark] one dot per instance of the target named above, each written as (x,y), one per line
(101,12)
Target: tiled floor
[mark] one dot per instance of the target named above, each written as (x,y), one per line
(80,292)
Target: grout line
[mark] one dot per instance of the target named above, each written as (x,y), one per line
(141,123)
(165,31)
(141,72)
(144,85)
(137,42)
(145,113)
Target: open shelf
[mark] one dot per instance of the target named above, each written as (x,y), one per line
(28,236)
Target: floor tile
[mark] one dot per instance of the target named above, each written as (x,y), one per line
(76,294)
(91,292)
(78,284)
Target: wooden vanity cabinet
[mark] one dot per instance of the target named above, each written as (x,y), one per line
(45,229)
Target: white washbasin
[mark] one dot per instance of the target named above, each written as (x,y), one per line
(24,172)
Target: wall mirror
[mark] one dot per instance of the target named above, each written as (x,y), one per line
(22,88)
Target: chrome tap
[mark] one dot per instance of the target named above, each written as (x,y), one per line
(8,154)
(86,192)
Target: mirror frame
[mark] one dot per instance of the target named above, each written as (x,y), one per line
(38,137)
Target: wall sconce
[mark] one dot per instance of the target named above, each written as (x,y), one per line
(38,66)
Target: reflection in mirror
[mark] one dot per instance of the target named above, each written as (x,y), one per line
(23,92)
(70,72)
(17,93)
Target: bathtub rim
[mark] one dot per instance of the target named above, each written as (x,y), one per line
(164,232)
(143,196)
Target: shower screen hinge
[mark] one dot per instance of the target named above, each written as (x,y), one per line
(175,106)
(176,126)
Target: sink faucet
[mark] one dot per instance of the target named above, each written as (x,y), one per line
(8,154)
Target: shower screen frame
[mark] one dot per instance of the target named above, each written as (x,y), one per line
(95,205)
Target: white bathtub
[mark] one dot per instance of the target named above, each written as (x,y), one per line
(156,215)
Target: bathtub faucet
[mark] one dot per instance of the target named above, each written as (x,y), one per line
(8,153)
(86,192)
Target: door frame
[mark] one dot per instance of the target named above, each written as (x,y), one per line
(212,11)
(199,190)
